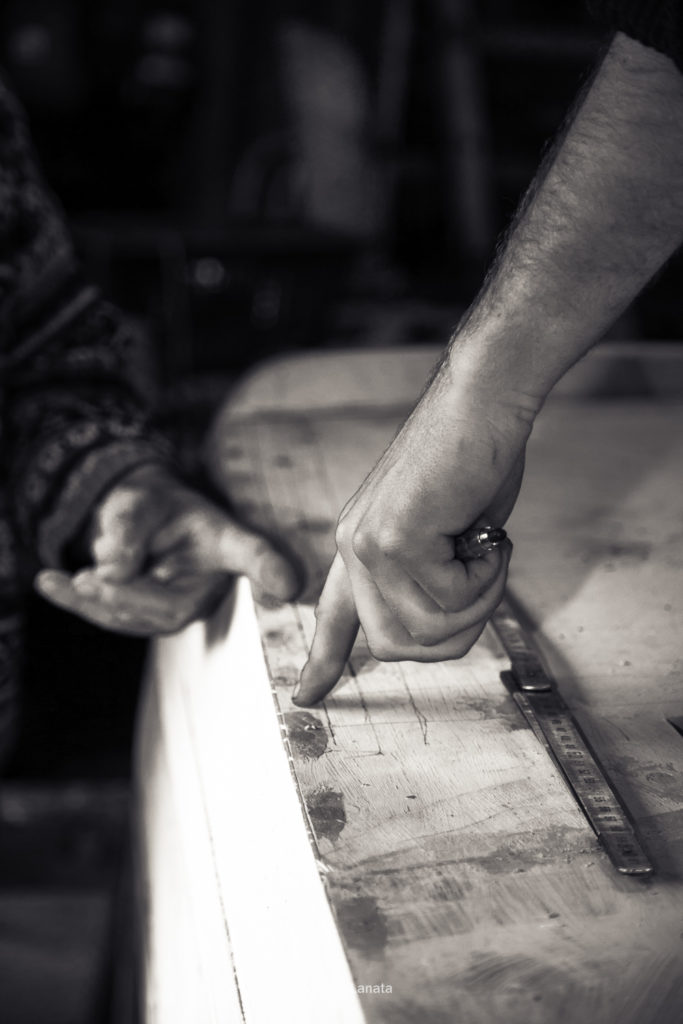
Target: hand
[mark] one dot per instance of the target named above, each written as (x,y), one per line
(458,461)
(163,555)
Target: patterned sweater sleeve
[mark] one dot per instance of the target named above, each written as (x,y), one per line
(72,366)
(656,23)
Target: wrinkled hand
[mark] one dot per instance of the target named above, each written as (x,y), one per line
(457,462)
(162,556)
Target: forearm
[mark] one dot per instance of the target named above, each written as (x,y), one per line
(605,212)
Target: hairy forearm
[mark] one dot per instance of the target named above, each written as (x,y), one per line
(605,212)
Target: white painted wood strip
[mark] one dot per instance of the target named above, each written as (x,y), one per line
(188,965)
(220,722)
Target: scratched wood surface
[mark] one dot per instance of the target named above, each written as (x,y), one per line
(465,884)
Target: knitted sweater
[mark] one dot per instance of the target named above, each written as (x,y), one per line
(72,389)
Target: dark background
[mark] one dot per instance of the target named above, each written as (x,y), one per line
(177,140)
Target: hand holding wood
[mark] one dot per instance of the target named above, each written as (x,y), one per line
(163,555)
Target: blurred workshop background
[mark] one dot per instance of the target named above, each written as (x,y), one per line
(249,179)
(257,178)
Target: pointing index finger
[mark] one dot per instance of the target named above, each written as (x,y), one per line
(335,633)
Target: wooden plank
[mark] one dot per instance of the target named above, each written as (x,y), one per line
(386,379)
(464,881)
(181,925)
(228,931)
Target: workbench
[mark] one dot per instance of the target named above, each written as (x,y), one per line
(408,852)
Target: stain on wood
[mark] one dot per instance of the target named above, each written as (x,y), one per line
(363,925)
(326,812)
(306,734)
(453,854)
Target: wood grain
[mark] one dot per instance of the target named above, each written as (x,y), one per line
(458,867)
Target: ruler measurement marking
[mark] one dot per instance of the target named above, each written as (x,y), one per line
(554,726)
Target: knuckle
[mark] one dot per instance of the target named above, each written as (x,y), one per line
(367,543)
(363,545)
(320,613)
(343,534)
(390,541)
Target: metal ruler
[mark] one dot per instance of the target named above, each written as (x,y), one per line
(552,722)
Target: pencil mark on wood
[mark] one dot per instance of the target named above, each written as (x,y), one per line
(422,720)
(424,725)
(330,728)
(363,703)
(505,711)
(592,551)
(663,779)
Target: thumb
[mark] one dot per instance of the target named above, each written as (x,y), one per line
(120,539)
(271,573)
